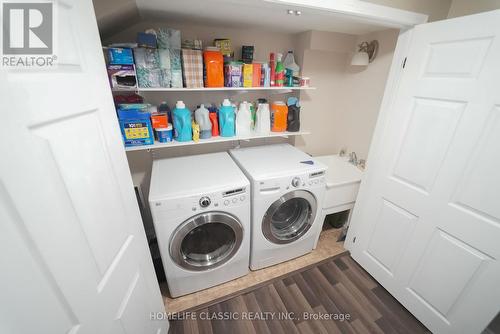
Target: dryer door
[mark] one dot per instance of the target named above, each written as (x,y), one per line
(206,241)
(290,217)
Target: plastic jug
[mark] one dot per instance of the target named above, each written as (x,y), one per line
(182,122)
(293,117)
(165,109)
(227,119)
(279,113)
(202,118)
(263,119)
(244,120)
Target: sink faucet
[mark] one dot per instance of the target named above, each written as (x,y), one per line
(353,158)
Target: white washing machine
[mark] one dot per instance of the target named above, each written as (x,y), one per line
(287,194)
(201,213)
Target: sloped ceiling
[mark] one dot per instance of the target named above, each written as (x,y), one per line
(115,15)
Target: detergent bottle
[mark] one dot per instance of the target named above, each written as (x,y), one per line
(164,109)
(244,120)
(182,122)
(226,119)
(263,119)
(196,131)
(202,118)
(279,116)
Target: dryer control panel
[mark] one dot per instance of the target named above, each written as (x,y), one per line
(304,181)
(221,200)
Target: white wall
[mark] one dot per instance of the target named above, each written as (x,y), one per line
(467,7)
(436,9)
(343,111)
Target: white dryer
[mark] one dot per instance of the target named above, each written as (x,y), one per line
(287,194)
(201,213)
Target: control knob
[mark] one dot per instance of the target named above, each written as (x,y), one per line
(296,182)
(205,201)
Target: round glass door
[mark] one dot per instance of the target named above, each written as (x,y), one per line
(206,241)
(290,217)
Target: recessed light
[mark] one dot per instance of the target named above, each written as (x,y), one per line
(290,12)
(298,12)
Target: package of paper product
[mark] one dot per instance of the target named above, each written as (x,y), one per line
(146,58)
(168,38)
(148,77)
(192,68)
(165,78)
(164,59)
(176,79)
(175,59)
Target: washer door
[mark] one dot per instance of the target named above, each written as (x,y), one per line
(290,217)
(206,241)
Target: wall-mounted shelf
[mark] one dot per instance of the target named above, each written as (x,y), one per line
(212,140)
(217,89)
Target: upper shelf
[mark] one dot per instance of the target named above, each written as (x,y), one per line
(240,89)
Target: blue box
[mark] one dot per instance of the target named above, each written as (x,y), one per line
(135,125)
(120,56)
(145,40)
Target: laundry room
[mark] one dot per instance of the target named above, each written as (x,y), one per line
(251,166)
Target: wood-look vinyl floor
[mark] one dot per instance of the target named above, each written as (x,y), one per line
(328,246)
(293,304)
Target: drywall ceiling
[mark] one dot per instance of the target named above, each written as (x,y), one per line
(252,14)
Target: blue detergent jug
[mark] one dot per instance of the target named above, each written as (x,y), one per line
(182,122)
(227,119)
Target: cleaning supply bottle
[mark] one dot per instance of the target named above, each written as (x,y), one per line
(244,120)
(196,131)
(272,66)
(279,113)
(227,119)
(182,122)
(263,119)
(290,64)
(293,117)
(279,75)
(164,109)
(202,118)
(214,119)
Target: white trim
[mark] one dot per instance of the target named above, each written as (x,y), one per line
(383,15)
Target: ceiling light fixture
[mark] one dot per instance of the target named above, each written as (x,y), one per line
(290,12)
(298,12)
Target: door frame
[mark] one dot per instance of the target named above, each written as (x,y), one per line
(386,110)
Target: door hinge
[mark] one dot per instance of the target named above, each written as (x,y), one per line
(404,62)
(354,240)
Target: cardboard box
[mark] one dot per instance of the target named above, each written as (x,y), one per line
(257,74)
(247,75)
(120,56)
(122,76)
(135,125)
(146,40)
(159,120)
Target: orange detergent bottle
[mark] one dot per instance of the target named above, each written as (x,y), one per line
(214,67)
(279,114)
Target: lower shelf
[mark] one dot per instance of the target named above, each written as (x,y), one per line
(212,140)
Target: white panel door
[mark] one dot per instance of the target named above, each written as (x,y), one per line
(74,256)
(427,223)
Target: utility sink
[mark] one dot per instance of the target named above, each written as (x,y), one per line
(342,183)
